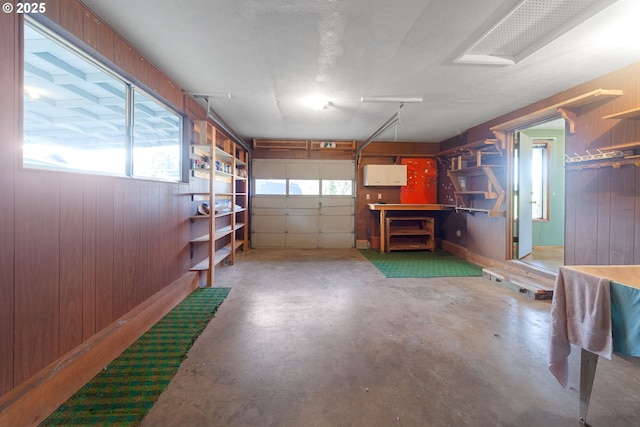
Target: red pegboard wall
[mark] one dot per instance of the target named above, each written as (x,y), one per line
(422,181)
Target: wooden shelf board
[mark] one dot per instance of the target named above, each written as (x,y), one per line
(385,155)
(200,197)
(409,232)
(222,232)
(220,153)
(590,98)
(470,193)
(475,170)
(621,147)
(407,207)
(475,145)
(221,254)
(634,114)
(597,95)
(199,217)
(203,147)
(410,218)
(491,213)
(223,174)
(201,173)
(200,239)
(410,246)
(201,266)
(223,214)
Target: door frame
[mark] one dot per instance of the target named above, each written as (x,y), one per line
(508,135)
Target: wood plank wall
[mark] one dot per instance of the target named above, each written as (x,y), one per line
(602,206)
(9,83)
(78,251)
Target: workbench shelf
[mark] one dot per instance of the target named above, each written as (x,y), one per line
(410,233)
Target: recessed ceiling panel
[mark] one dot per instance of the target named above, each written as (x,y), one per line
(527,27)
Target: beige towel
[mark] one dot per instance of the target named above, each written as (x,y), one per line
(580,315)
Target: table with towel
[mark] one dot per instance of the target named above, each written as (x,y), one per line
(596,308)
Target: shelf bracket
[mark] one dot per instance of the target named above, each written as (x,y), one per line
(502,138)
(570,116)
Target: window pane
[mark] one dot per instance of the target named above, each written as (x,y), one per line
(74,112)
(271,186)
(304,187)
(156,140)
(539,182)
(337,187)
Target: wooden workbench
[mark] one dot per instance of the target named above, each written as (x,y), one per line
(384,208)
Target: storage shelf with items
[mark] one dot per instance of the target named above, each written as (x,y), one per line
(474,172)
(241,199)
(410,233)
(220,210)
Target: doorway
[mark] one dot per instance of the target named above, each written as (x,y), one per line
(537,205)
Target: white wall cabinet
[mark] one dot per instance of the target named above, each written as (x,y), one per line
(385,175)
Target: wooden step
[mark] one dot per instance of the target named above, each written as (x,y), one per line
(533,286)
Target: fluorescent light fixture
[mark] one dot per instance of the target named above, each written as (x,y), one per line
(485,60)
(399,99)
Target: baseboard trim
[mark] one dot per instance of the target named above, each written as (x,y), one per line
(31,402)
(464,253)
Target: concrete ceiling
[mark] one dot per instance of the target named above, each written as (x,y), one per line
(257,60)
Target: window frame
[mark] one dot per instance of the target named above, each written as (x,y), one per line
(545,147)
(131,85)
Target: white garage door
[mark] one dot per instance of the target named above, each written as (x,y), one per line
(303,204)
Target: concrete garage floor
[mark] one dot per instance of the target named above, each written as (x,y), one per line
(321,338)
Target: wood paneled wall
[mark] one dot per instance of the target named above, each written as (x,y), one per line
(9,118)
(78,251)
(602,205)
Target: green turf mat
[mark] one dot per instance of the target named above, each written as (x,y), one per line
(406,264)
(127,388)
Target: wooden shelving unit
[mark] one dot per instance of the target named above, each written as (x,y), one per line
(219,183)
(410,233)
(472,170)
(464,195)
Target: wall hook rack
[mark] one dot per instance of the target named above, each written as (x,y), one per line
(600,155)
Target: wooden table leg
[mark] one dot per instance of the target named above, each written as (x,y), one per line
(588,364)
(383,217)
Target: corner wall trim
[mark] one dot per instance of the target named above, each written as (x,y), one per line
(30,403)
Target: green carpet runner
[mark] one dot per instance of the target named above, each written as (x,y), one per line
(409,264)
(128,387)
